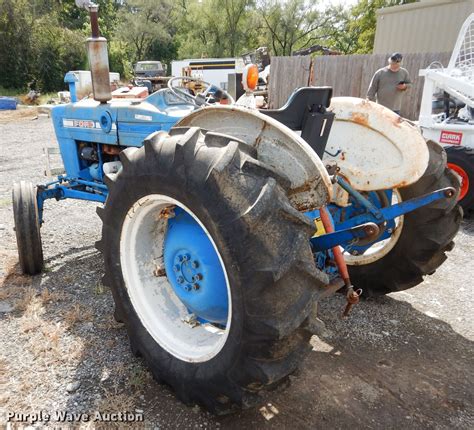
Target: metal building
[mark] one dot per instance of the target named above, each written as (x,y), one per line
(425,26)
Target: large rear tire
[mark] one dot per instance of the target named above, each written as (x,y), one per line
(262,243)
(426,235)
(27,228)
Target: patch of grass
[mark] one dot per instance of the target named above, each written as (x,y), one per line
(19,280)
(68,279)
(7,201)
(109,323)
(7,292)
(112,402)
(78,314)
(27,302)
(11,92)
(50,296)
(138,377)
(50,341)
(99,289)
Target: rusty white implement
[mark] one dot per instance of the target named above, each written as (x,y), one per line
(374,148)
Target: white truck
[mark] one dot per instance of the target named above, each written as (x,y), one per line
(451,91)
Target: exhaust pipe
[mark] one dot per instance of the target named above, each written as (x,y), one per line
(98,55)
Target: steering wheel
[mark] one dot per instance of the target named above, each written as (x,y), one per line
(200,99)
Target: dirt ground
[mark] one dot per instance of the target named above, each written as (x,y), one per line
(405,360)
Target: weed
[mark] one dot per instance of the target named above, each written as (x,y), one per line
(5,202)
(24,302)
(50,296)
(77,314)
(99,289)
(68,279)
(138,377)
(7,292)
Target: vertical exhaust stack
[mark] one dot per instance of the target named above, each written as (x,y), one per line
(98,58)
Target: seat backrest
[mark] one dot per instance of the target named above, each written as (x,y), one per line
(302,101)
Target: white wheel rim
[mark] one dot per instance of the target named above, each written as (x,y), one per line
(160,311)
(380,249)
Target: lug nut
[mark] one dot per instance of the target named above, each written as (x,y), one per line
(176,268)
(186,257)
(196,287)
(187,287)
(180,279)
(180,258)
(198,277)
(195,264)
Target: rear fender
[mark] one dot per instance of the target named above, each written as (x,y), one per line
(374,148)
(276,145)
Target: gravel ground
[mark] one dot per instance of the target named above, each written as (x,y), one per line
(402,360)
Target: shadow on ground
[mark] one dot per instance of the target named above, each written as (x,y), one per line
(366,372)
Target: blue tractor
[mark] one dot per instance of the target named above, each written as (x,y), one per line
(223,226)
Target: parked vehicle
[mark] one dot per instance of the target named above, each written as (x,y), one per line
(150,74)
(224,226)
(453,125)
(212,70)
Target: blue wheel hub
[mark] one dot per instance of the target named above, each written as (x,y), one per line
(355,209)
(194,269)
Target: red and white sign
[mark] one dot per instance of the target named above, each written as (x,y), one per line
(450,137)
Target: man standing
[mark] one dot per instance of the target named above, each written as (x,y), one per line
(389,83)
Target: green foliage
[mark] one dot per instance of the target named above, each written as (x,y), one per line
(72,17)
(214,28)
(144,24)
(15,44)
(119,60)
(41,40)
(56,50)
(34,45)
(291,25)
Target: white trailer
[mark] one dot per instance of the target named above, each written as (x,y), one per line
(212,70)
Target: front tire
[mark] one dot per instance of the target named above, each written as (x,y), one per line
(426,235)
(27,228)
(262,243)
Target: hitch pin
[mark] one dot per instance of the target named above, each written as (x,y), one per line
(352,298)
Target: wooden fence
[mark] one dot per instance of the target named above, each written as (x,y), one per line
(287,74)
(349,75)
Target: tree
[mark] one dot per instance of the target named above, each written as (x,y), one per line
(144,23)
(75,18)
(56,51)
(335,33)
(293,25)
(15,44)
(214,28)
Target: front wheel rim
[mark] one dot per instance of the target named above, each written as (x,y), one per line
(152,296)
